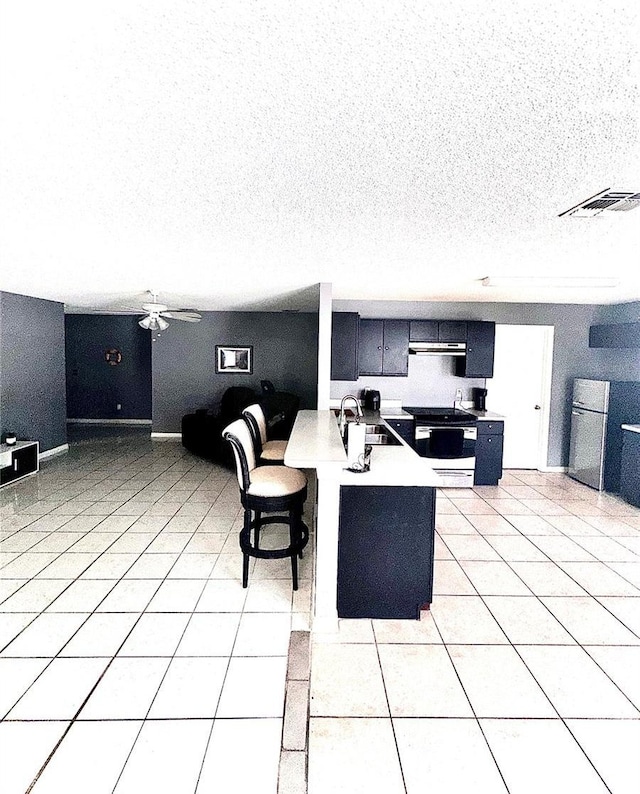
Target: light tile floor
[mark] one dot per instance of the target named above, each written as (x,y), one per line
(131,658)
(525,674)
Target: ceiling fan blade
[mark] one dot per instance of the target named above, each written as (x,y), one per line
(189,317)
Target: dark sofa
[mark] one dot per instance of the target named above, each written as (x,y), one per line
(202,430)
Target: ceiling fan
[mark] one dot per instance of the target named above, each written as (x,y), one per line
(156,312)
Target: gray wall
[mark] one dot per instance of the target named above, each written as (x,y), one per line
(32,382)
(572,357)
(95,387)
(285,351)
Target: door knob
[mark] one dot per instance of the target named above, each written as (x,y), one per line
(537,407)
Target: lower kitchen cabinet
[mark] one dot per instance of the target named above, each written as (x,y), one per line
(18,461)
(630,468)
(489,446)
(385,551)
(405,428)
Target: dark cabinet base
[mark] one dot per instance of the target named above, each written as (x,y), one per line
(630,469)
(489,448)
(385,551)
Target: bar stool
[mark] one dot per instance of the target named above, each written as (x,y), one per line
(267,489)
(268,453)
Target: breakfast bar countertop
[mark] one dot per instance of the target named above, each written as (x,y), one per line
(315,443)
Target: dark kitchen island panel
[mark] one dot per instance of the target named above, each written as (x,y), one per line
(385,551)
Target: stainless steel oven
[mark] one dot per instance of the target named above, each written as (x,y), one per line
(447,437)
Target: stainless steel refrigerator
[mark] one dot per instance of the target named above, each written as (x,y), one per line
(598,409)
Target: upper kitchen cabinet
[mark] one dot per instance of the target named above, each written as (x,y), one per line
(383,347)
(615,335)
(478,360)
(344,345)
(423,330)
(438,331)
(452,331)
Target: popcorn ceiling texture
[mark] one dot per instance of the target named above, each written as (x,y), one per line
(227,152)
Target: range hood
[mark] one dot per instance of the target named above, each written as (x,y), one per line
(437,348)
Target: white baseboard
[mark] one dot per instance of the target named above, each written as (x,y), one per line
(554,468)
(167,436)
(108,421)
(49,453)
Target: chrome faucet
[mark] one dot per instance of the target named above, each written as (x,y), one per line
(343,420)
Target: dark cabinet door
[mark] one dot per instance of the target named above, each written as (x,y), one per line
(404,428)
(382,573)
(370,347)
(630,467)
(344,346)
(478,361)
(614,335)
(395,359)
(383,347)
(452,331)
(489,447)
(423,331)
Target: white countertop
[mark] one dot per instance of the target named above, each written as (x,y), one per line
(632,428)
(484,416)
(315,443)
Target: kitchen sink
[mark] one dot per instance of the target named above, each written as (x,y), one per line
(379,434)
(376,435)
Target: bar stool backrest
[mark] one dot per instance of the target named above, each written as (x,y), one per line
(255,416)
(239,436)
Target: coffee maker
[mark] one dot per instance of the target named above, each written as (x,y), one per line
(479,397)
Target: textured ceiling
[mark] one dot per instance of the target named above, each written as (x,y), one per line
(231,154)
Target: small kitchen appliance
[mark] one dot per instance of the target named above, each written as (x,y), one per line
(479,397)
(371,399)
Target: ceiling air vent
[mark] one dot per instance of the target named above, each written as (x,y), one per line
(618,200)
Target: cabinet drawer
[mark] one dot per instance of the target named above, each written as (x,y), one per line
(490,428)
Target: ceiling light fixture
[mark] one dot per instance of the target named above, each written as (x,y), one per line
(595,282)
(153,323)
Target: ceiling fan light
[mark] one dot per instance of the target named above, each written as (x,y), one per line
(162,324)
(145,323)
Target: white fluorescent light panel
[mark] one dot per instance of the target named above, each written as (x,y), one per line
(549,281)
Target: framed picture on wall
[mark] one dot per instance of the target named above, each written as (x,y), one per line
(234,359)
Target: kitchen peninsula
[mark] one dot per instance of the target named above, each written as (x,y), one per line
(374,530)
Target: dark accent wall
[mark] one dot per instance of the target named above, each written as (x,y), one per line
(32,383)
(572,356)
(285,351)
(95,387)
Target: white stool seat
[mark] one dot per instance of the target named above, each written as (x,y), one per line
(275,481)
(273,450)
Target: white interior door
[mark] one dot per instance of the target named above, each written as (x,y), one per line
(520,390)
